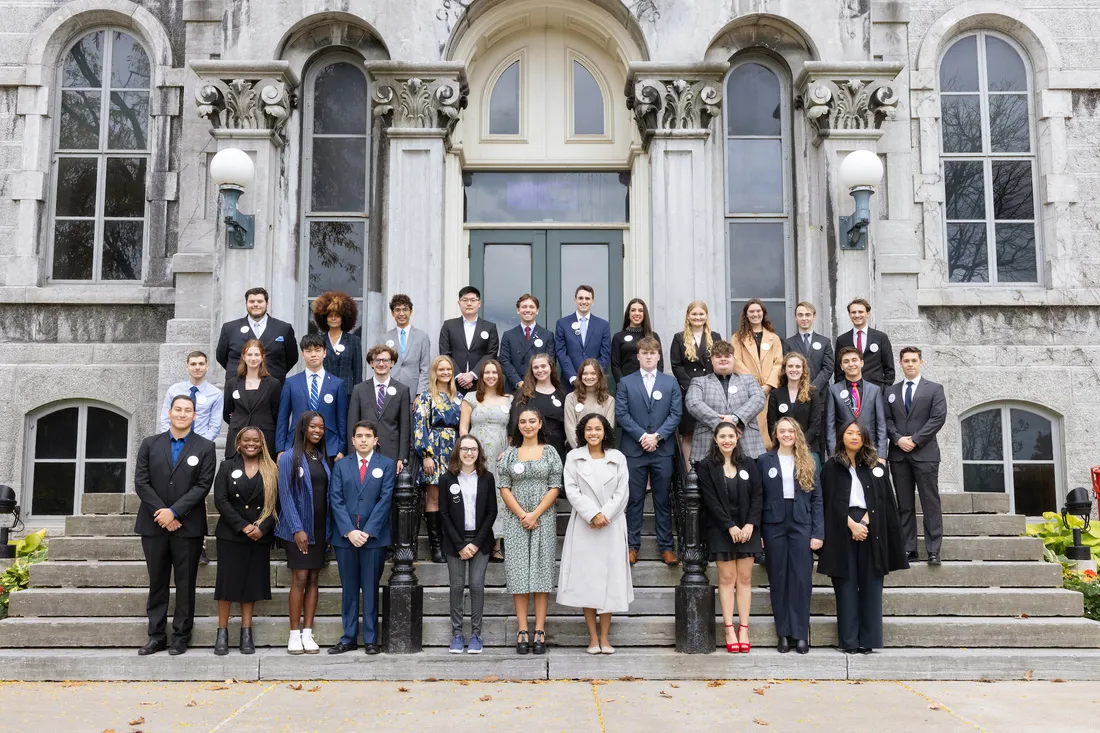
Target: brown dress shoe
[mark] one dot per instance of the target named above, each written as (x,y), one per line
(633,555)
(668,557)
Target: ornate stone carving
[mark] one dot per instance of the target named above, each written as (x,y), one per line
(235,96)
(851,104)
(410,97)
(674,104)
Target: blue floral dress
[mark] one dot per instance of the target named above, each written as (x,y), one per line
(435,429)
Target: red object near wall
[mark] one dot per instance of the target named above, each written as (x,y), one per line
(1096,483)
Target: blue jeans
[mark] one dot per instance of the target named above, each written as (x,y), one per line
(657,472)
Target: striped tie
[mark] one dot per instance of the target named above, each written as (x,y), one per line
(381,397)
(314,394)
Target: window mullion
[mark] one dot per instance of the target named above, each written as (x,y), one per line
(1006,449)
(81,441)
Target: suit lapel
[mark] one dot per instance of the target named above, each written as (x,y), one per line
(166,446)
(188,445)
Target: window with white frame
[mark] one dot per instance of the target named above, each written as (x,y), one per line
(759,240)
(101,155)
(588,107)
(989,164)
(1013,449)
(74,449)
(504,101)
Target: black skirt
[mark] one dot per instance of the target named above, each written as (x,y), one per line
(721,547)
(314,559)
(244,572)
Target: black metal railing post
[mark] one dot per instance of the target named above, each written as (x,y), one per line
(403,597)
(694,594)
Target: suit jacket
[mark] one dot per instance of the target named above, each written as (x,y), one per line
(412,368)
(239,510)
(394,423)
(181,488)
(639,413)
(452,513)
(332,405)
(883,526)
(807,504)
(347,364)
(878,357)
(706,400)
(820,356)
(364,506)
(280,347)
(926,416)
(718,514)
(296,501)
(685,369)
(571,352)
(871,414)
(483,346)
(257,408)
(516,351)
(808,415)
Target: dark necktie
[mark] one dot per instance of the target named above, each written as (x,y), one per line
(362,470)
(856,402)
(381,397)
(806,342)
(859,341)
(314,393)
(194,393)
(527,333)
(908,397)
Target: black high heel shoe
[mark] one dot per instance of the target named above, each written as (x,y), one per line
(539,647)
(523,645)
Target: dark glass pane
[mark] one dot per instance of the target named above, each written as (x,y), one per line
(581,197)
(1035,489)
(587,102)
(339,174)
(80,120)
(964,185)
(104,478)
(122,249)
(777,312)
(72,250)
(1012,190)
(757,256)
(508,269)
(1008,124)
(55,434)
(962,123)
(959,68)
(129,63)
(54,488)
(107,433)
(129,124)
(340,101)
(1016,255)
(125,187)
(504,103)
(76,184)
(967,253)
(754,173)
(981,436)
(1032,436)
(84,63)
(755,110)
(583,264)
(985,477)
(336,257)
(1004,68)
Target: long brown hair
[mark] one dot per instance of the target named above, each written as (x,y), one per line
(867,455)
(600,389)
(502,386)
(689,336)
(269,472)
(242,368)
(529,381)
(805,470)
(804,382)
(647,325)
(744,328)
(454,466)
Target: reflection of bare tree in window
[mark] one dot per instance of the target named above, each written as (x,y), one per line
(72,250)
(76,184)
(1032,437)
(129,63)
(335,245)
(967,253)
(128,121)
(84,62)
(80,120)
(962,123)
(1009,131)
(981,436)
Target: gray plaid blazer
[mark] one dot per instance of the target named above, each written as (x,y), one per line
(706,400)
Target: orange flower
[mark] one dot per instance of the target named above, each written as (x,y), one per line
(1090,574)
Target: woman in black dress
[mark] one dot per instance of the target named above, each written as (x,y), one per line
(542,391)
(733,501)
(689,355)
(624,344)
(303,524)
(335,315)
(797,398)
(246,492)
(251,398)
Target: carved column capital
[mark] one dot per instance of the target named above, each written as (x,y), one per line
(241,95)
(419,96)
(849,99)
(674,98)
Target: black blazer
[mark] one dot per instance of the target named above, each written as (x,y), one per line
(452,343)
(516,351)
(280,348)
(820,356)
(182,488)
(452,512)
(395,422)
(685,370)
(239,510)
(878,357)
(926,416)
(717,516)
(807,414)
(624,353)
(258,408)
(884,527)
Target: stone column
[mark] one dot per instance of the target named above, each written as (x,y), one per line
(674,105)
(420,104)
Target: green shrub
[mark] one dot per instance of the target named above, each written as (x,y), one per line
(1086,583)
(1057,537)
(28,551)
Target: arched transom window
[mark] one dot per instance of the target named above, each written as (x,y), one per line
(1013,449)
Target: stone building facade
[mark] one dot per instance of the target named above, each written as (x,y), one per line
(661,149)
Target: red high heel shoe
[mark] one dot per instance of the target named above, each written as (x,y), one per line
(743,646)
(735,647)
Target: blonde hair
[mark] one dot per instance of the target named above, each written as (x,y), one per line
(433,379)
(803,382)
(689,337)
(269,473)
(805,470)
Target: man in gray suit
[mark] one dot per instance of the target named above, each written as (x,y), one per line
(816,348)
(916,409)
(855,398)
(724,397)
(413,346)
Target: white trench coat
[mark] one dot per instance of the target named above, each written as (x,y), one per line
(595,569)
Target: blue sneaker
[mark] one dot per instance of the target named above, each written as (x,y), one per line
(475,645)
(457,642)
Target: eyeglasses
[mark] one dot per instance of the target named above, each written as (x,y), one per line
(468,449)
(469,301)
(380,360)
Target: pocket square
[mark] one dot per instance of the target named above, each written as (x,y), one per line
(278,339)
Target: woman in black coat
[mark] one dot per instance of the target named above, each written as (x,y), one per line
(624,344)
(863,540)
(251,398)
(796,397)
(733,501)
(689,355)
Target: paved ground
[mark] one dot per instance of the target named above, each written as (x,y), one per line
(535,707)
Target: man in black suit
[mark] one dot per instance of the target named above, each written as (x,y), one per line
(519,344)
(468,340)
(174,473)
(280,346)
(916,409)
(878,355)
(815,347)
(385,403)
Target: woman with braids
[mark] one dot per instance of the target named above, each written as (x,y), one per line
(689,355)
(335,315)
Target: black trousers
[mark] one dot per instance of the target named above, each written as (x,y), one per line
(911,477)
(790,564)
(164,555)
(858,597)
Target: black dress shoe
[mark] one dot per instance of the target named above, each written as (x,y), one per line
(539,644)
(865,650)
(783,646)
(152,647)
(247,645)
(221,643)
(934,559)
(341,647)
(523,645)
(847,651)
(372,649)
(802,646)
(912,556)
(179,646)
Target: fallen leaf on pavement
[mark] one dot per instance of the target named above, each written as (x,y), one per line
(1023,615)
(758,721)
(191,704)
(402,689)
(315,688)
(485,698)
(215,688)
(1027,676)
(523,707)
(670,684)
(760,690)
(935,706)
(108,730)
(71,683)
(628,678)
(137,721)
(147,703)
(1057,679)
(716,683)
(664,694)
(464,683)
(295,686)
(231,681)
(491,678)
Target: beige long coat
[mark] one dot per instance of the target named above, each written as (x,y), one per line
(765,369)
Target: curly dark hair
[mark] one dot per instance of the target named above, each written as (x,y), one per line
(608,432)
(516,438)
(336,302)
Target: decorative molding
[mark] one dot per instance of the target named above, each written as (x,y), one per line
(419,96)
(236,95)
(848,99)
(667,98)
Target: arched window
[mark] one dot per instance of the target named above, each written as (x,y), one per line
(989,168)
(588,106)
(1013,449)
(504,102)
(73,449)
(101,152)
(758,217)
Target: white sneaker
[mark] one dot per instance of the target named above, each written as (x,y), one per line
(308,644)
(294,645)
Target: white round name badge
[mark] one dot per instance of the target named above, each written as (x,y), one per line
(377,473)
(891,399)
(580,408)
(328,399)
(843,394)
(504,409)
(783,407)
(200,399)
(517,469)
(390,343)
(577,327)
(484,334)
(744,475)
(244,329)
(236,394)
(455,489)
(192,460)
(657,394)
(817,346)
(732,389)
(538,343)
(877,471)
(874,348)
(773,473)
(628,338)
(339,348)
(391,391)
(765,347)
(301,472)
(237,474)
(556,401)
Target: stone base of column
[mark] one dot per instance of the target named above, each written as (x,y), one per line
(403,619)
(695,619)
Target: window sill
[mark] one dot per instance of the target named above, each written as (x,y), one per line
(1006,296)
(89,294)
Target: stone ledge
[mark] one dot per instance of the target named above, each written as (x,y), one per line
(90,294)
(974,664)
(996,296)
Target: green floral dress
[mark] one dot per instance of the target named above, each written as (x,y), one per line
(529,556)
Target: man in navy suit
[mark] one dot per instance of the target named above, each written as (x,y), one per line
(582,336)
(360,493)
(648,408)
(316,390)
(519,344)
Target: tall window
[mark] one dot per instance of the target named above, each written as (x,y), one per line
(588,113)
(758,217)
(75,449)
(336,171)
(504,102)
(101,154)
(1011,449)
(989,166)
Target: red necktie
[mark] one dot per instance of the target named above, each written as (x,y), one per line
(527,332)
(362,470)
(859,341)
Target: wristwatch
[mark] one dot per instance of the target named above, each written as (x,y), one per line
(863,522)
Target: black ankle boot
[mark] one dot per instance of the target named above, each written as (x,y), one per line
(435,536)
(221,642)
(247,646)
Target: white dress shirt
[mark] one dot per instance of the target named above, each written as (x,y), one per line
(649,379)
(470,327)
(856,337)
(857,498)
(258,327)
(320,382)
(467,484)
(905,383)
(786,467)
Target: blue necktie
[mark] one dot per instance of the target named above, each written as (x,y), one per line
(908,396)
(403,343)
(314,394)
(194,392)
(584,330)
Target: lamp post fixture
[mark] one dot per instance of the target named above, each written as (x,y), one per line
(9,517)
(232,169)
(860,172)
(1078,504)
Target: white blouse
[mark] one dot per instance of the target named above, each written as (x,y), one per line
(857,498)
(467,483)
(786,466)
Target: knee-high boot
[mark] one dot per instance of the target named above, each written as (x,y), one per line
(435,536)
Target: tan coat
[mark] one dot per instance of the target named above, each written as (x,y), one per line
(765,369)
(573,415)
